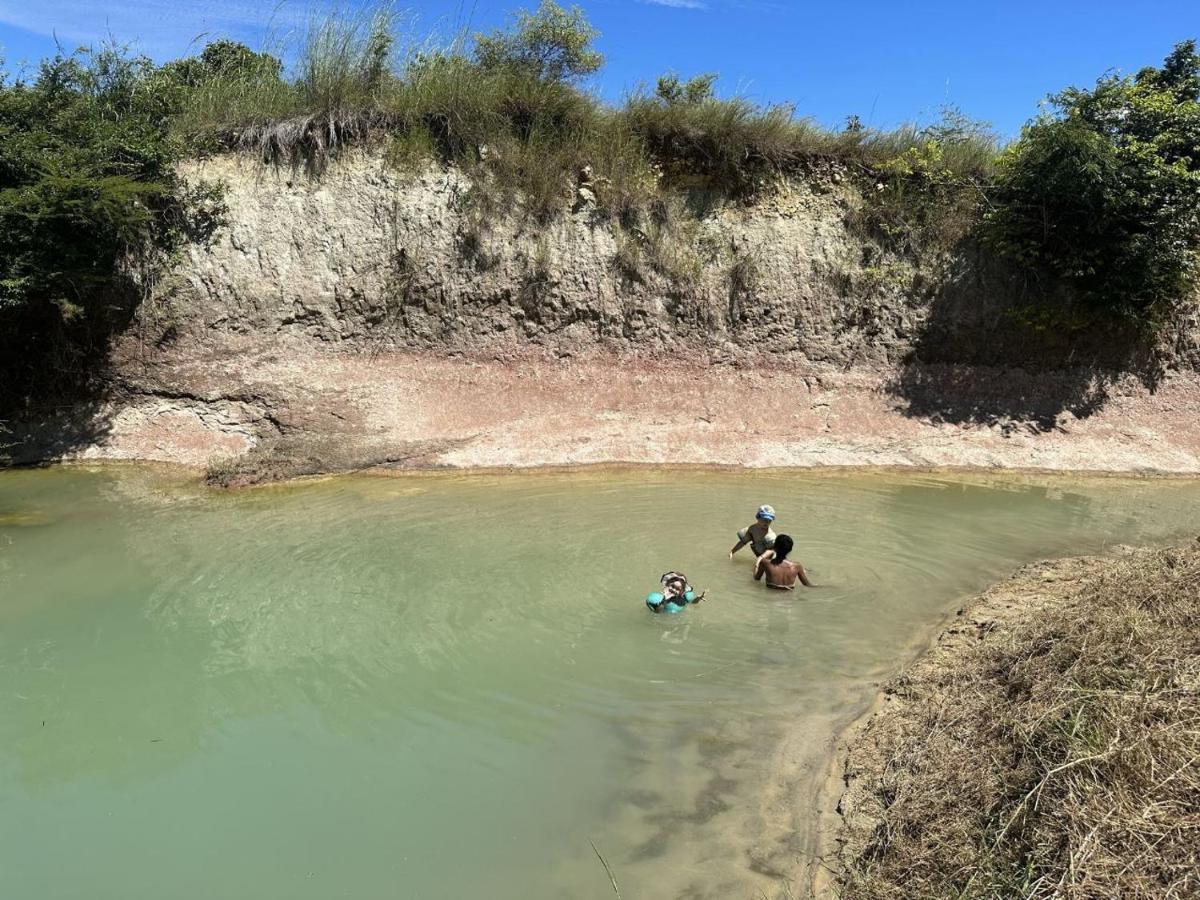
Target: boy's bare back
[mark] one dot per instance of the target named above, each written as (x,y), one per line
(782,575)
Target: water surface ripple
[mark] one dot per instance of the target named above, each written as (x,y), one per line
(448,686)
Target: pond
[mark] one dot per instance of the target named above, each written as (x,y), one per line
(449,685)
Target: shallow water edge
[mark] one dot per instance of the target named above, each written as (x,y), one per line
(194,472)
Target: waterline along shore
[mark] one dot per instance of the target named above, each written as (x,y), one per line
(337,323)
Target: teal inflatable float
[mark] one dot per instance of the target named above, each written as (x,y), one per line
(655,602)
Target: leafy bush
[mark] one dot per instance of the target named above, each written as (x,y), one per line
(225,59)
(89,201)
(552,44)
(929,183)
(1103,193)
(672,90)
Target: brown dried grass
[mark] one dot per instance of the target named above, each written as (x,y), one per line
(1059,757)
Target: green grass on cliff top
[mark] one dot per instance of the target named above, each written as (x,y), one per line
(518,113)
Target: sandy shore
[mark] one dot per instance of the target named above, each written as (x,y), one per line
(284,408)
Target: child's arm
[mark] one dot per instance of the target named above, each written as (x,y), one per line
(743,540)
(760,564)
(803,576)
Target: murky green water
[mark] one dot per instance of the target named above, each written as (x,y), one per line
(449,686)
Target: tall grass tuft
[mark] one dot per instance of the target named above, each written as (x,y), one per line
(532,139)
(733,145)
(336,94)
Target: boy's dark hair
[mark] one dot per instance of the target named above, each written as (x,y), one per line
(783,546)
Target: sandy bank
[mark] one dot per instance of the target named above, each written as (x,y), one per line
(281,407)
(1044,745)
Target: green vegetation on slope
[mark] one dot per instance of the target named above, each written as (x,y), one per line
(89,201)
(1103,194)
(514,96)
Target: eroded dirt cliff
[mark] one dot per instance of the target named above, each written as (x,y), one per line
(375,317)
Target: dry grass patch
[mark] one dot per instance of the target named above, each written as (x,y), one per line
(1055,754)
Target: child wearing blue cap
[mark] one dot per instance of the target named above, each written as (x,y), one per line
(759,534)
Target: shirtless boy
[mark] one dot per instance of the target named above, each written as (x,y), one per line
(780,571)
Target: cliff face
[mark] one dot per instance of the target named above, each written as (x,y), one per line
(375,318)
(367,256)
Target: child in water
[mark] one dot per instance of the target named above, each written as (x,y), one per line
(675,589)
(758,534)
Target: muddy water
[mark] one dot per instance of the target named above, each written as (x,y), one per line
(449,686)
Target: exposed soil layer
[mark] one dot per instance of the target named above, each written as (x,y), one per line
(257,409)
(372,318)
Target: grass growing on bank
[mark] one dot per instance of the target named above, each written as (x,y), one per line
(1097,204)
(1060,760)
(333,96)
(510,105)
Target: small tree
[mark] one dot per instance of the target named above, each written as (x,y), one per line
(91,200)
(1103,193)
(672,91)
(552,44)
(223,59)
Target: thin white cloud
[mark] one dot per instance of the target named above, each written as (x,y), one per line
(678,4)
(158,27)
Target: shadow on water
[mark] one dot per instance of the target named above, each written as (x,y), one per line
(997,348)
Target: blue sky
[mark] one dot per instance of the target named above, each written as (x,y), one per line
(888,62)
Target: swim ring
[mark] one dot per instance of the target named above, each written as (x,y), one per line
(655,597)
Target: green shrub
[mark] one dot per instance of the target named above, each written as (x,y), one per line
(928,183)
(552,44)
(731,145)
(90,202)
(672,90)
(1103,193)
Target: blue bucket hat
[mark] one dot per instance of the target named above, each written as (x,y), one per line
(766,512)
